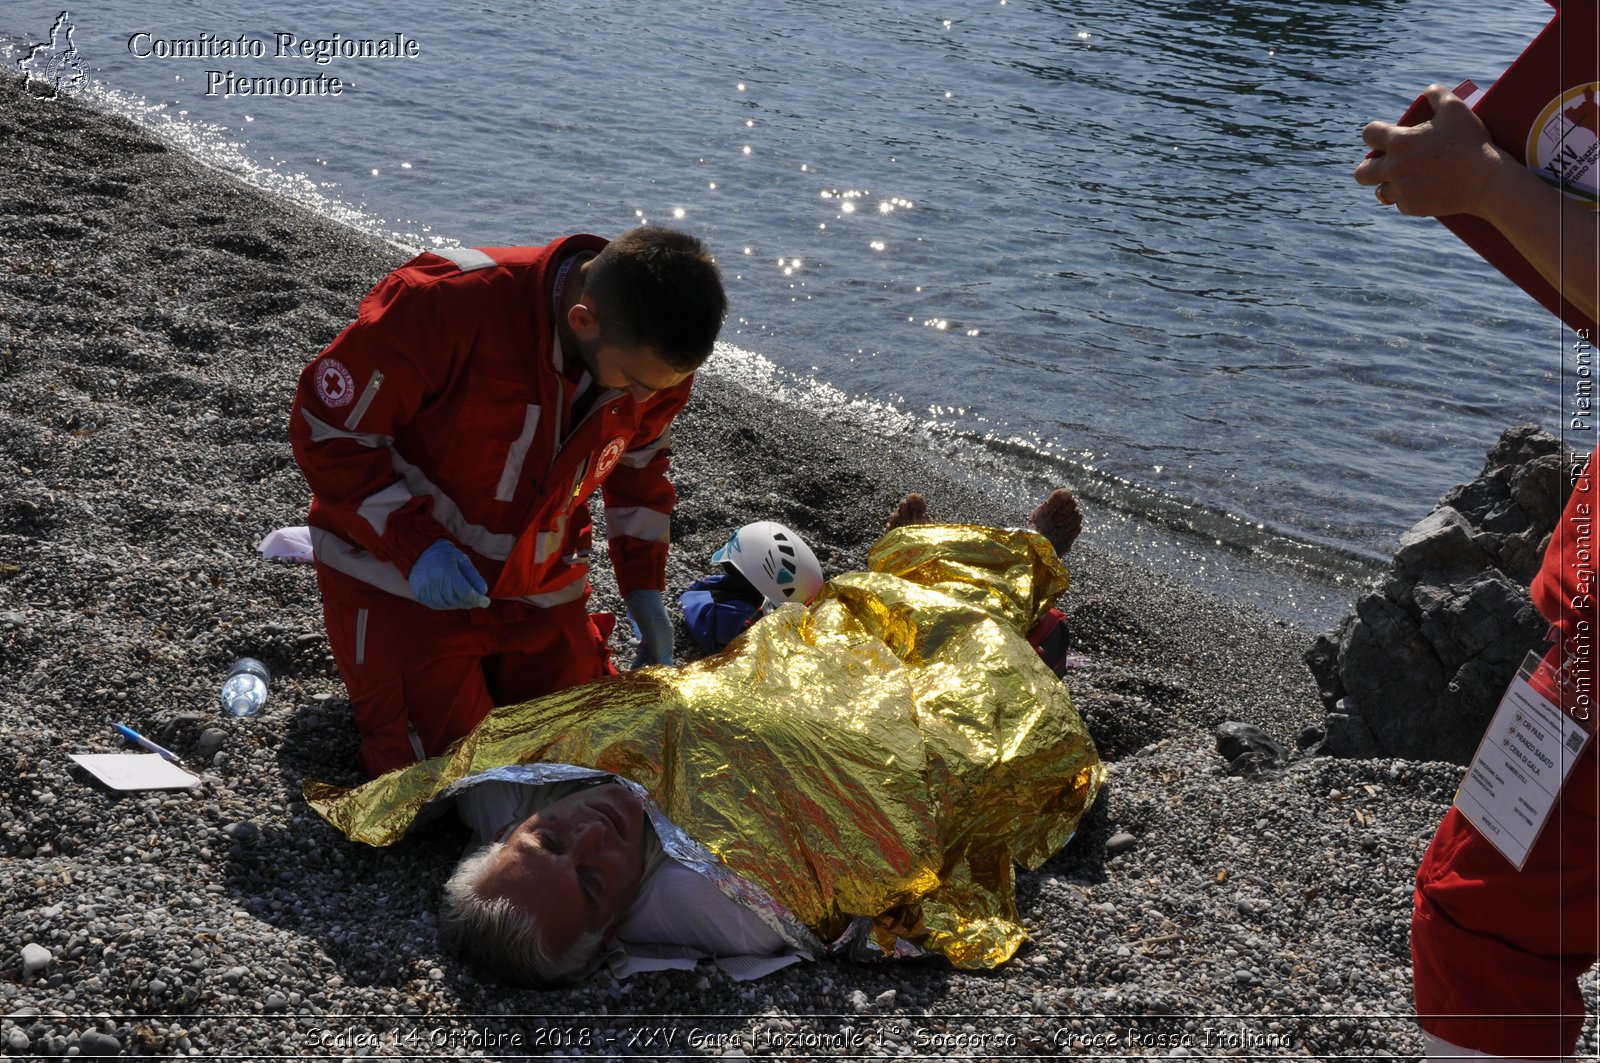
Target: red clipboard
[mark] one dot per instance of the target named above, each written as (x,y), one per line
(1547,105)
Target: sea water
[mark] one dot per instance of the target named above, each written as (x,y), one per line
(1109,244)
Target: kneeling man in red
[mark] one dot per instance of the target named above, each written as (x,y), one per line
(452,436)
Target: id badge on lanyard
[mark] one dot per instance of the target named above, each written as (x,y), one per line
(1522,762)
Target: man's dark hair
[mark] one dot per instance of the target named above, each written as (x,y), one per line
(658,288)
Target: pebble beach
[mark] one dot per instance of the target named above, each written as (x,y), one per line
(154,316)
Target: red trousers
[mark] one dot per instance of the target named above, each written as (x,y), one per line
(1496,952)
(421,678)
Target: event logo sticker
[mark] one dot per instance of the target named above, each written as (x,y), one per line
(56,64)
(1564,143)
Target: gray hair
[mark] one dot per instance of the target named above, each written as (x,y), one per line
(503,939)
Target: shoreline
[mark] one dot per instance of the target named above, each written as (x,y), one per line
(154,314)
(1301,577)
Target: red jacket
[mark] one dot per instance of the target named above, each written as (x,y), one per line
(445,410)
(1497,952)
(1565,593)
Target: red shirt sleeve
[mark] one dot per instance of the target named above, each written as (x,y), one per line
(639,497)
(351,401)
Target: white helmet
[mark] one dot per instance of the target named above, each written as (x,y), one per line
(775,560)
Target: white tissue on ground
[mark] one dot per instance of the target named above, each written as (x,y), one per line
(287,544)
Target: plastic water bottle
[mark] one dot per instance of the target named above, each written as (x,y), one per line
(246,689)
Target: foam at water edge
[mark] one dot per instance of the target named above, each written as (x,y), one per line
(758,373)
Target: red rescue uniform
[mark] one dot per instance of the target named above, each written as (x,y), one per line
(449,410)
(1497,952)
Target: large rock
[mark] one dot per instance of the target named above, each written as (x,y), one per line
(1418,669)
(1441,542)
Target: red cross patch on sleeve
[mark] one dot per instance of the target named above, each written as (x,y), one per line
(335,386)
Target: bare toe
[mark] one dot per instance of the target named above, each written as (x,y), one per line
(1058,518)
(913,509)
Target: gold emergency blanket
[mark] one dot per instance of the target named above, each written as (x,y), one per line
(889,751)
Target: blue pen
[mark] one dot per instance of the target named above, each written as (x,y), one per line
(134,736)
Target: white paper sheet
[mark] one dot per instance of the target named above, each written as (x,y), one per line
(136,771)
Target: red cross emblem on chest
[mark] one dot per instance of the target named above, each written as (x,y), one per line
(609,457)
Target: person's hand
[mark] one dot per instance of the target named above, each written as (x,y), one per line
(443,578)
(1446,165)
(648,612)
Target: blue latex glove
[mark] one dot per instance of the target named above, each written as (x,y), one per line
(648,612)
(443,578)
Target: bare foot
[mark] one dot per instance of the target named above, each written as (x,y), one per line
(913,509)
(1058,518)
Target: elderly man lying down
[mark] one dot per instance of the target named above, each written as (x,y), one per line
(861,773)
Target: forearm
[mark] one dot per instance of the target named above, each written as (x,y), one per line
(638,508)
(639,498)
(1559,236)
(639,563)
(356,487)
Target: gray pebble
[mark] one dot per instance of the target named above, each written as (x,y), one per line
(234,975)
(242,832)
(210,741)
(858,1000)
(885,999)
(95,1043)
(157,987)
(1120,842)
(276,1002)
(17,1040)
(35,958)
